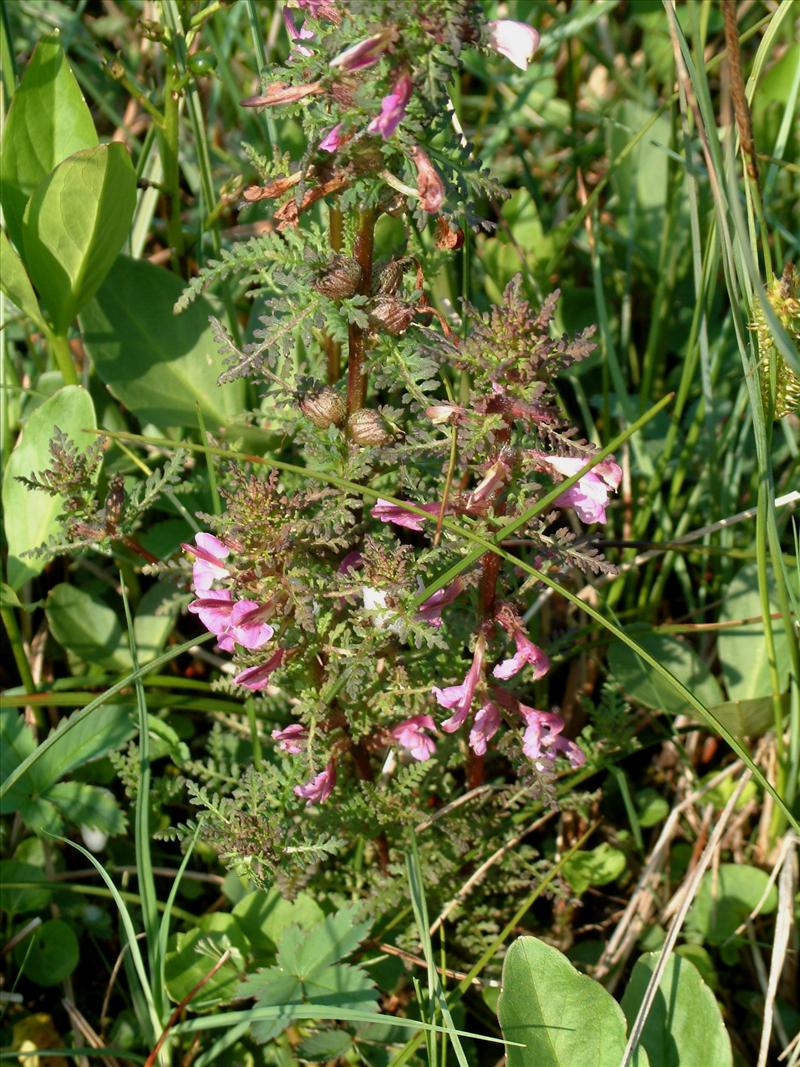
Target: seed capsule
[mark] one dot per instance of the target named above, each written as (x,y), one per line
(386,277)
(340,279)
(323,406)
(390,314)
(366,427)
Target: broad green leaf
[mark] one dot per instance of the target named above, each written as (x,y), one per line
(726,898)
(325,1045)
(30,516)
(684,1027)
(16,744)
(49,954)
(194,953)
(597,866)
(342,984)
(265,914)
(16,284)
(742,649)
(749,718)
(86,627)
(74,227)
(647,688)
(19,901)
(272,987)
(159,365)
(89,805)
(154,621)
(651,807)
(48,120)
(561,1018)
(305,953)
(106,731)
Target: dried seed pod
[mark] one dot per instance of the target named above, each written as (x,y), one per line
(366,427)
(340,278)
(447,236)
(323,406)
(386,277)
(784,297)
(390,314)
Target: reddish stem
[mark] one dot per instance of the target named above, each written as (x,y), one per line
(356,373)
(333,349)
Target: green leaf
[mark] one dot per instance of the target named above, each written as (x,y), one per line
(74,227)
(19,901)
(684,1027)
(561,1018)
(48,120)
(272,987)
(154,621)
(651,807)
(742,649)
(344,985)
(749,718)
(16,284)
(325,1045)
(597,866)
(16,744)
(49,954)
(31,516)
(726,898)
(306,953)
(194,953)
(264,915)
(158,364)
(90,739)
(649,689)
(89,805)
(86,627)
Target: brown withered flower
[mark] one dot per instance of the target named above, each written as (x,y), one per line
(340,278)
(280,93)
(429,184)
(323,406)
(366,427)
(391,315)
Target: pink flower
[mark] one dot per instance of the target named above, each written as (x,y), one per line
(445,412)
(589,496)
(332,141)
(393,107)
(493,480)
(484,727)
(258,677)
(238,623)
(208,552)
(411,735)
(430,610)
(542,740)
(400,516)
(320,787)
(296,35)
(459,697)
(516,41)
(351,562)
(291,738)
(527,652)
(429,184)
(363,53)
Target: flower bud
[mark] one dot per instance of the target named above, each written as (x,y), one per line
(323,406)
(366,427)
(340,278)
(429,184)
(386,277)
(442,413)
(390,314)
(280,93)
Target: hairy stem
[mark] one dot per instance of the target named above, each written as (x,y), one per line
(356,373)
(333,349)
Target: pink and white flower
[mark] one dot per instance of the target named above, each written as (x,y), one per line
(412,734)
(430,610)
(516,41)
(527,652)
(257,677)
(542,741)
(459,698)
(233,623)
(400,516)
(296,34)
(484,727)
(363,53)
(333,139)
(208,552)
(590,494)
(319,788)
(291,738)
(393,108)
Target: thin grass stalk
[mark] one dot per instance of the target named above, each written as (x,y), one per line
(144,864)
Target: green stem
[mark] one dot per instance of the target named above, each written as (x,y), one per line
(356,372)
(59,346)
(17,647)
(255,740)
(168,143)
